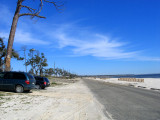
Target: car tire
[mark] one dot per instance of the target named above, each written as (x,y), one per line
(19,89)
(42,87)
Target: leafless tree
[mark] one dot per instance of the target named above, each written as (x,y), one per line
(31,12)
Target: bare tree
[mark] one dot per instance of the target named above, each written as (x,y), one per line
(31,12)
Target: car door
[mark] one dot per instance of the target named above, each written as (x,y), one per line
(8,82)
(1,80)
(19,78)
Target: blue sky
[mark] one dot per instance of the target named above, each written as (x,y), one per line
(91,36)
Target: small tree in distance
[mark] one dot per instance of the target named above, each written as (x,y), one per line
(31,12)
(41,62)
(37,62)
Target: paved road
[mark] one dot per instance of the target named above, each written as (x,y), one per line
(126,103)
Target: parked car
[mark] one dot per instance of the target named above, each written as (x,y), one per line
(40,82)
(47,82)
(16,81)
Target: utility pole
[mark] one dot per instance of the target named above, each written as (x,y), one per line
(24,49)
(54,67)
(25,58)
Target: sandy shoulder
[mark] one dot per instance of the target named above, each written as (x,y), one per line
(69,102)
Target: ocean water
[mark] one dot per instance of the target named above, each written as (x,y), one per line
(148,76)
(131,76)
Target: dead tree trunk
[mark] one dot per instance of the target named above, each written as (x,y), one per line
(11,36)
(31,12)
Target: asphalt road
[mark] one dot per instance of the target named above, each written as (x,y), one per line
(126,103)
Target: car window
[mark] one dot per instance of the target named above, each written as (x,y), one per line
(30,76)
(19,76)
(46,79)
(1,75)
(8,76)
(39,78)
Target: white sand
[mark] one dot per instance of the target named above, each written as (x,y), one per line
(149,83)
(69,102)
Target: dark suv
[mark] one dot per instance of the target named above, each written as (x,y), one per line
(17,81)
(47,82)
(40,82)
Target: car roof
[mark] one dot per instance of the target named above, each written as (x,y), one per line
(15,72)
(12,72)
(38,76)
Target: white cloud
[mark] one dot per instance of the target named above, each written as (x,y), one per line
(79,40)
(24,34)
(25,38)
(82,42)
(85,43)
(148,58)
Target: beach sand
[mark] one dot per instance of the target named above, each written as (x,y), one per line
(72,101)
(149,83)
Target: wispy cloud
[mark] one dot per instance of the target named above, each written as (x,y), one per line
(83,42)
(79,41)
(23,35)
(27,38)
(142,58)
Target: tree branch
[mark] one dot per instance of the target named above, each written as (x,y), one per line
(32,15)
(33,12)
(29,8)
(20,0)
(41,6)
(55,4)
